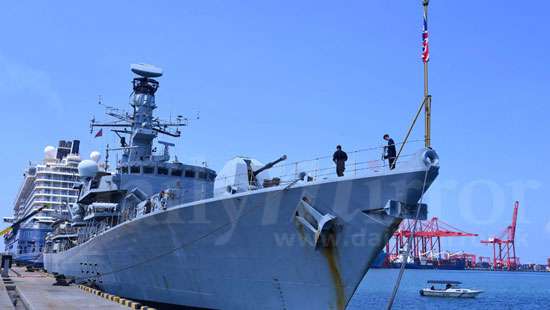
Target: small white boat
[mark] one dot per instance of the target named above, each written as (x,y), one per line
(451,289)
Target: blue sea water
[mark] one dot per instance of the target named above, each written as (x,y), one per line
(502,290)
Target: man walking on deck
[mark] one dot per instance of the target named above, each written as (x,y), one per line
(339,158)
(389,151)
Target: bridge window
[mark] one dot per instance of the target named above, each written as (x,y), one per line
(162,170)
(135,169)
(202,175)
(189,173)
(177,172)
(93,184)
(211,176)
(148,169)
(124,169)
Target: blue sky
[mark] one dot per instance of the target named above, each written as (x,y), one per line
(274,77)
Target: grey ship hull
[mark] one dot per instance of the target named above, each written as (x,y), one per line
(247,251)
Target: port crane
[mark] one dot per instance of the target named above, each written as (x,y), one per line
(427,239)
(504,249)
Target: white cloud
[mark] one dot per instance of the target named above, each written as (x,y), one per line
(18,78)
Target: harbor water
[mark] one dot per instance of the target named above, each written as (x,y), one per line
(502,290)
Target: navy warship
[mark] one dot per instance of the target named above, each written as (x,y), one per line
(155,229)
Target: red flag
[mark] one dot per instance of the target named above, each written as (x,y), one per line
(99,133)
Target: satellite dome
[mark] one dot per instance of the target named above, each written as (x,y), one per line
(146,70)
(87,168)
(49,152)
(95,156)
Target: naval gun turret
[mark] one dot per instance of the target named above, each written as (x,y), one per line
(243,174)
(269,165)
(252,174)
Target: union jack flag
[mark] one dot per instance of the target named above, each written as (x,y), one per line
(425,45)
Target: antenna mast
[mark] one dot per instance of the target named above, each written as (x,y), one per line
(140,126)
(107,158)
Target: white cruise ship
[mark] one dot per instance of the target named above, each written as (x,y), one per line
(45,192)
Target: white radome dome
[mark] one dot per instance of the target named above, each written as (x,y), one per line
(95,156)
(49,152)
(87,168)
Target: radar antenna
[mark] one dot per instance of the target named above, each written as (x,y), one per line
(140,125)
(125,121)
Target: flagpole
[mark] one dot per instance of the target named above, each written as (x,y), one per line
(427,103)
(427,96)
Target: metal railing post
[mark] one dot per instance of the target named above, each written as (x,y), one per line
(355,164)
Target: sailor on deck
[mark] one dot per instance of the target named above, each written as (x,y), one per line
(389,151)
(339,158)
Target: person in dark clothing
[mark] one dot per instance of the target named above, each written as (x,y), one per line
(389,151)
(339,158)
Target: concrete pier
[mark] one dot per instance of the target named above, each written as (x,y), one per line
(35,290)
(5,301)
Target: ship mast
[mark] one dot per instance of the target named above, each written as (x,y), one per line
(140,125)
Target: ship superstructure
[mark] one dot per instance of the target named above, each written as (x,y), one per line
(46,191)
(159,230)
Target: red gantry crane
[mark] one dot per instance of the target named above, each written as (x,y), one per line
(484,261)
(426,242)
(504,250)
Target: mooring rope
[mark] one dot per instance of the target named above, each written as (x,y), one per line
(409,241)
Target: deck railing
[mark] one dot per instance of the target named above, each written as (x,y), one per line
(360,162)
